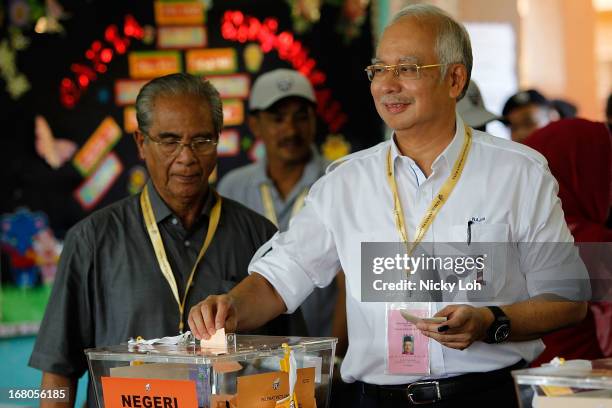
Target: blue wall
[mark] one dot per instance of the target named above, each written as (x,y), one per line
(15,373)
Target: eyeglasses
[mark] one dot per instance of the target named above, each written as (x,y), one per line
(172,146)
(404,71)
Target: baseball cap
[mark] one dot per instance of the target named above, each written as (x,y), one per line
(471,108)
(524,98)
(278,84)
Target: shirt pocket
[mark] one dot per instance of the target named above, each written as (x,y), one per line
(488,246)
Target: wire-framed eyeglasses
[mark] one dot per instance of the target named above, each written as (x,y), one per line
(402,70)
(172,146)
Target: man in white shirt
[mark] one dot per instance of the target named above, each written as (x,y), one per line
(449,184)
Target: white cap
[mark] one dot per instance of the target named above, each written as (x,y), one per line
(471,108)
(275,85)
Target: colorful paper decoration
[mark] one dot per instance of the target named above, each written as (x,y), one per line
(137,178)
(91,191)
(54,151)
(181,37)
(335,147)
(229,143)
(235,26)
(99,55)
(246,143)
(253,57)
(31,247)
(233,112)
(126,90)
(231,86)
(211,61)
(99,143)
(179,13)
(130,124)
(151,64)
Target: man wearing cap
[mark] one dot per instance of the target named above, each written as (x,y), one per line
(472,109)
(527,111)
(282,115)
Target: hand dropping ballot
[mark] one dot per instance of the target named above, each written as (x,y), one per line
(415,319)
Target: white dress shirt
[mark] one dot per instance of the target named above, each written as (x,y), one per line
(504,184)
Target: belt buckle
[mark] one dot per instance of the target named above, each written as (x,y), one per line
(435,384)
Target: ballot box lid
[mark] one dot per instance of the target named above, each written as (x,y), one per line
(596,375)
(240,348)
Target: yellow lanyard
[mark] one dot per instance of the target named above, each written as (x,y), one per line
(160,252)
(270,213)
(438,201)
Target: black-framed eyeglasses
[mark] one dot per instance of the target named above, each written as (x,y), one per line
(172,146)
(402,70)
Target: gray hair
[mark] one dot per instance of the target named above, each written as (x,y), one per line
(452,40)
(173,85)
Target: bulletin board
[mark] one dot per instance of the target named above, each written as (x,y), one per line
(70,72)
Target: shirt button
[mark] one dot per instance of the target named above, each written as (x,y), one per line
(174,221)
(187,243)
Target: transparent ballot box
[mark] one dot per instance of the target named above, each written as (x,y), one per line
(253,372)
(585,384)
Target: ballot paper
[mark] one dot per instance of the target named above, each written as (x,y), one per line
(217,343)
(415,319)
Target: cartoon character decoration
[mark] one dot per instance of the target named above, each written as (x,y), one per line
(31,246)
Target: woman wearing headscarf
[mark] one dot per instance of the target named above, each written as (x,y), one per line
(579,154)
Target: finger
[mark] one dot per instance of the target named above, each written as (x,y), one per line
(208,310)
(456,345)
(431,327)
(222,314)
(231,324)
(446,311)
(196,323)
(449,338)
(458,317)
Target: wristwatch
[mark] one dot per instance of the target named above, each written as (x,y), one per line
(499,330)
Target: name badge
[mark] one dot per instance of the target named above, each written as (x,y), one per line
(407,347)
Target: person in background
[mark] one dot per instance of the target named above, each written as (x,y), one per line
(565,109)
(527,111)
(579,155)
(609,112)
(282,114)
(111,283)
(472,109)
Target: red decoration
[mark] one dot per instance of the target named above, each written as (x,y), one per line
(99,55)
(235,26)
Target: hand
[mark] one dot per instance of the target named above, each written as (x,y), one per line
(213,313)
(465,325)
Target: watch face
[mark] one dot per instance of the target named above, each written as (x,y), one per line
(502,333)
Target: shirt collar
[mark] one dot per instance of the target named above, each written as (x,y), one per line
(449,154)
(161,209)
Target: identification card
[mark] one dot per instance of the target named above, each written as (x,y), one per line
(407,347)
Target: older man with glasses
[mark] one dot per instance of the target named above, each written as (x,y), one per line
(436,184)
(136,267)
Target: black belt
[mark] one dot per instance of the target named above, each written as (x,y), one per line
(430,391)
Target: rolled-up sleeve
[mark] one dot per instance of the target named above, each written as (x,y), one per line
(303,257)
